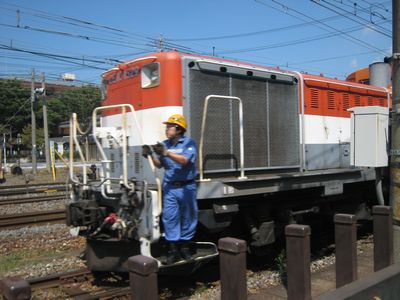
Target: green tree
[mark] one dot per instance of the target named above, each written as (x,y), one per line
(14,105)
(81,101)
(26,137)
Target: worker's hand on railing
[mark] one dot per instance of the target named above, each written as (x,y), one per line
(146,151)
(160,149)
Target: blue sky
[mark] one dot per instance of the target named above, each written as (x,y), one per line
(332,37)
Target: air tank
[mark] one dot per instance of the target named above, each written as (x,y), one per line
(380,74)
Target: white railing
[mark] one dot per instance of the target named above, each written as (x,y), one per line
(203,124)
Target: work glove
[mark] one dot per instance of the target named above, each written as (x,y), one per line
(160,149)
(146,151)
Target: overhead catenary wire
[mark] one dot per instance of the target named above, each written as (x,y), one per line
(322,25)
(116,36)
(354,18)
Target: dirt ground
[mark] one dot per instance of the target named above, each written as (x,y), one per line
(42,176)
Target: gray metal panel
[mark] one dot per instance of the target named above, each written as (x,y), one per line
(255,114)
(345,155)
(323,156)
(217,151)
(284,124)
(221,145)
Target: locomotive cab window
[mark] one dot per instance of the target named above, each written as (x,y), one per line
(150,75)
(103,89)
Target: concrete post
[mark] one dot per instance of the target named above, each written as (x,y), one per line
(298,262)
(15,288)
(383,237)
(232,265)
(346,249)
(143,277)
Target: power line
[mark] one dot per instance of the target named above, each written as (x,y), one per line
(52,56)
(272,30)
(291,43)
(332,58)
(324,25)
(387,33)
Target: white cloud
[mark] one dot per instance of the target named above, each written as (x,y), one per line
(354,63)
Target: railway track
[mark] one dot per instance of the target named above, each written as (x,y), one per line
(32,189)
(32,218)
(32,199)
(75,284)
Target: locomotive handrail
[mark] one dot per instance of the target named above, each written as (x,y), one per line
(203,123)
(124,144)
(73,138)
(125,148)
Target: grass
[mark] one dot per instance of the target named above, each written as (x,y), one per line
(281,265)
(25,257)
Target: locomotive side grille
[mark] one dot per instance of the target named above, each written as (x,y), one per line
(137,162)
(218,140)
(284,124)
(270,115)
(253,93)
(331,100)
(314,98)
(357,100)
(370,101)
(346,104)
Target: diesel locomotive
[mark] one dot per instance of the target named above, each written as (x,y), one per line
(273,149)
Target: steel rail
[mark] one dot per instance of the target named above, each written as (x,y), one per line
(30,199)
(55,280)
(32,218)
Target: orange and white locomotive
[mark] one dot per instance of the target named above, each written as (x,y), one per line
(274,148)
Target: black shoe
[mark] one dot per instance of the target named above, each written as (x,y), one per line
(186,254)
(173,254)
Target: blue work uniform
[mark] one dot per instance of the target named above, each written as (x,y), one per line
(179,191)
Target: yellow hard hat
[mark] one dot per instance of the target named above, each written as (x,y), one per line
(177,119)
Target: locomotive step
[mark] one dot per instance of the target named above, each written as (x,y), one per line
(202,252)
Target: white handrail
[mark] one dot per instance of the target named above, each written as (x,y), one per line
(203,124)
(124,145)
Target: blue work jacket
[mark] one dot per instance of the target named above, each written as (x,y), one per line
(175,171)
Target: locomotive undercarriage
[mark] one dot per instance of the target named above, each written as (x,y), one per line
(255,210)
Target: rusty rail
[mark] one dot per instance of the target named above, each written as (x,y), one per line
(32,218)
(31,199)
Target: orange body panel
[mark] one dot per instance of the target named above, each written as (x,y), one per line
(322,96)
(330,97)
(124,84)
(360,76)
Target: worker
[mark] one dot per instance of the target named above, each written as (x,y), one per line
(177,155)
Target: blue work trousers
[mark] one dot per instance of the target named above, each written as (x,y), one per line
(179,211)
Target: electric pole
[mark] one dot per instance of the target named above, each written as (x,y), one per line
(45,126)
(33,123)
(395,146)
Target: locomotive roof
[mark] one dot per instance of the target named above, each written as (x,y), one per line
(178,55)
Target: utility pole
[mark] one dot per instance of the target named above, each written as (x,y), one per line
(33,123)
(45,126)
(5,151)
(395,146)
(161,43)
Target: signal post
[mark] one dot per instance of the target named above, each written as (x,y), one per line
(395,144)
